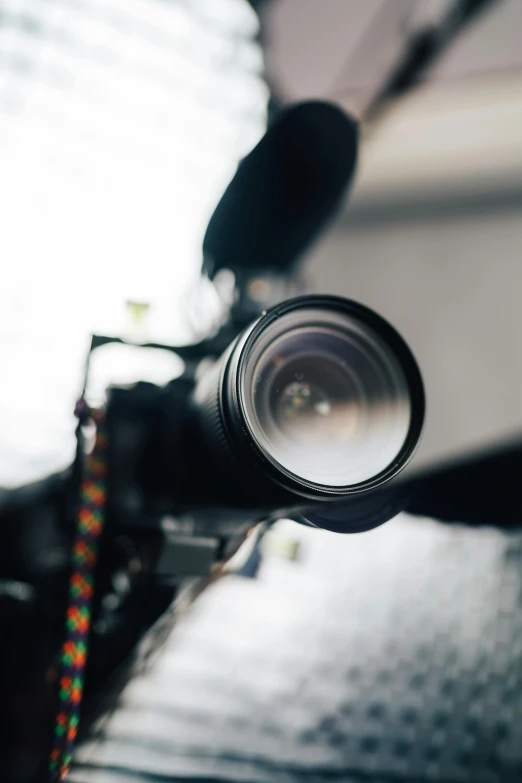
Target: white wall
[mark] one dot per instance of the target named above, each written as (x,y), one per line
(452,285)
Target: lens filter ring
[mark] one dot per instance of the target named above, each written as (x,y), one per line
(324,396)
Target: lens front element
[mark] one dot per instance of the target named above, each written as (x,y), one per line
(325,397)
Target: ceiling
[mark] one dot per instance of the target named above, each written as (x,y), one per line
(459,132)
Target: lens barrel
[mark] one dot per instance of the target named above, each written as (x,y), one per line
(320,397)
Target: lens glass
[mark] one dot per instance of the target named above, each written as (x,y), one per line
(326,398)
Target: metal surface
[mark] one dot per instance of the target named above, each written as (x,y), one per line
(389,656)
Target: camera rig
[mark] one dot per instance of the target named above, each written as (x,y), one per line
(201,465)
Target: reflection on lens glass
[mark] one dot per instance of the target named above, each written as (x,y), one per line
(312,400)
(302,410)
(328,400)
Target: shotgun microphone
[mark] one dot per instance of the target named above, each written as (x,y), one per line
(284,192)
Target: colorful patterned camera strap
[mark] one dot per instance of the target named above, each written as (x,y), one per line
(81,587)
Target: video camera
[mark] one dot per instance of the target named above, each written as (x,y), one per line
(303,409)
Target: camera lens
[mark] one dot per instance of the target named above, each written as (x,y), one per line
(323,396)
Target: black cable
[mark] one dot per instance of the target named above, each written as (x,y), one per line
(424,47)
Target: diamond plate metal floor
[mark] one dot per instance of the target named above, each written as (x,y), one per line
(390,656)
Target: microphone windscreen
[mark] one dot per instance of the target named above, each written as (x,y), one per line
(285,191)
